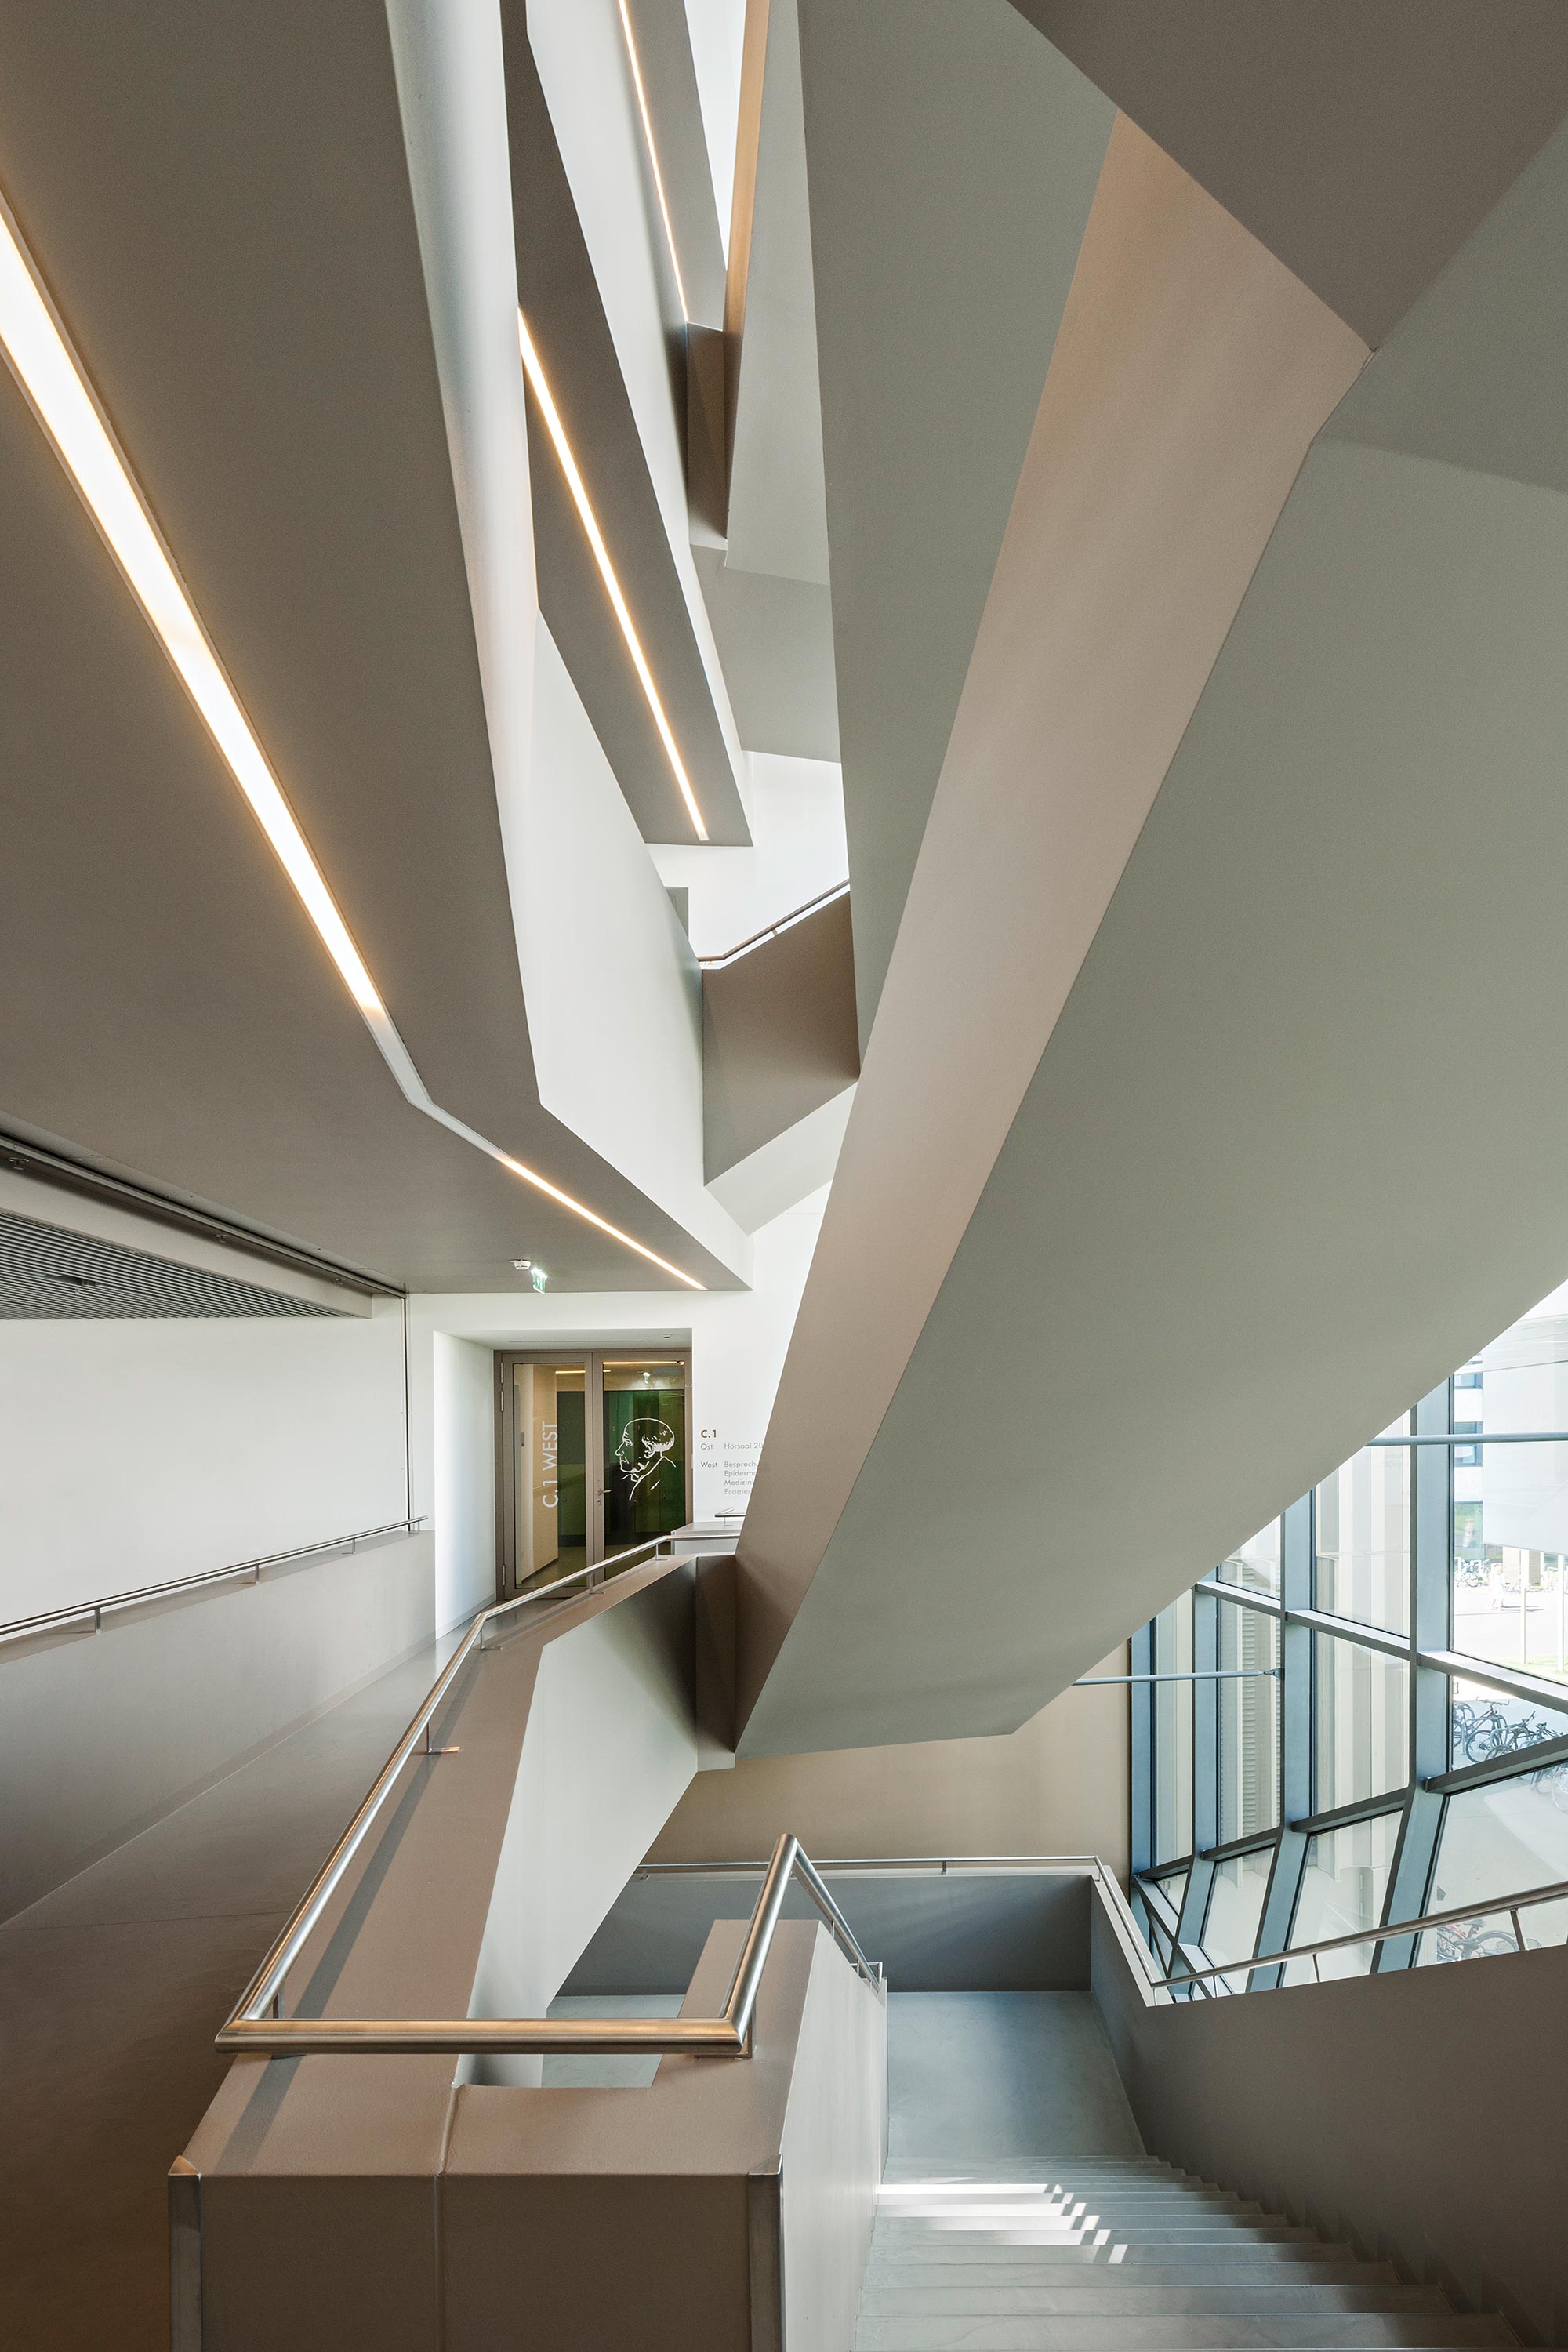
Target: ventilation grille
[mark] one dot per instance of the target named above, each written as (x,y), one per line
(46,1274)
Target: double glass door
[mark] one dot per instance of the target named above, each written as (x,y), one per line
(594,1458)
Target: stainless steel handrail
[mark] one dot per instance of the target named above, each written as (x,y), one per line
(1394,1932)
(20,1628)
(771,931)
(265,1991)
(728,2035)
(896,1866)
(1091,1864)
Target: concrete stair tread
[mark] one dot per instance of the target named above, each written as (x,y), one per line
(961,2331)
(1089,2278)
(946,2247)
(977,2196)
(1162,2233)
(1112,2297)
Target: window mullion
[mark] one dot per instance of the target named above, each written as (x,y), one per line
(1295,1738)
(1431,1522)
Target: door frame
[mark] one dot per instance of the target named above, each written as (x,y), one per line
(592,1360)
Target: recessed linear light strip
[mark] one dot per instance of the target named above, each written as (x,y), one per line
(653,153)
(595,537)
(46,369)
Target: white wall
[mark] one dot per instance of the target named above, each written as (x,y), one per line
(798,851)
(738,1341)
(132,1452)
(462,1441)
(717,28)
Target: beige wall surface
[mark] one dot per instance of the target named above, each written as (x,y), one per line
(1058,1785)
(1418,2115)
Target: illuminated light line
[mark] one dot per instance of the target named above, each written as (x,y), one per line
(595,538)
(57,387)
(48,371)
(542,1184)
(652,145)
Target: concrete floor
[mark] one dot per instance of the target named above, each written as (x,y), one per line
(111,1989)
(988,2077)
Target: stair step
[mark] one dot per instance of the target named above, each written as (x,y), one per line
(965,2197)
(1200,2332)
(983,2168)
(1132,2299)
(949,2248)
(1023,2227)
(1089,2278)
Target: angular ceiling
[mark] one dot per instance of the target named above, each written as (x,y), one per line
(220,205)
(1152,1203)
(952,158)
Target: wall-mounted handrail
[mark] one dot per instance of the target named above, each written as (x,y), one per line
(1091,1866)
(1394,1931)
(897,1866)
(771,931)
(93,1612)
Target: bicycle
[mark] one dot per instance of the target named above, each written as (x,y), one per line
(1484,1732)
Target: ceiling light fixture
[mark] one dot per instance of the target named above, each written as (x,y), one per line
(595,537)
(56,385)
(653,154)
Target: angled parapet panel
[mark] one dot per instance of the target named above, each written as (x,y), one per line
(764,567)
(571,333)
(779,1047)
(676,155)
(1190,375)
(951,157)
(629,366)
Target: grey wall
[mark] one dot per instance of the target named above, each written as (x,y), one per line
(778,1035)
(1056,1785)
(953,1934)
(1422,2115)
(101,1734)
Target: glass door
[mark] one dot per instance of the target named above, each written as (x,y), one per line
(644,1419)
(544,1470)
(594,1458)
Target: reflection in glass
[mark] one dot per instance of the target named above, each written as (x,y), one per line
(1501,1839)
(1342,1888)
(1151,1918)
(645,1450)
(1485,1724)
(1255,1564)
(1361,1718)
(1511,1501)
(1235,1906)
(1173,1732)
(1361,1541)
(1510,1573)
(1249,1723)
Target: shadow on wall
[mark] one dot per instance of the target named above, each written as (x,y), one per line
(1058,1785)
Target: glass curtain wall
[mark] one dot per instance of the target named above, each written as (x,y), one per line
(1371,1721)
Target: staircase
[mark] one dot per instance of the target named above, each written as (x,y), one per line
(1123,2255)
